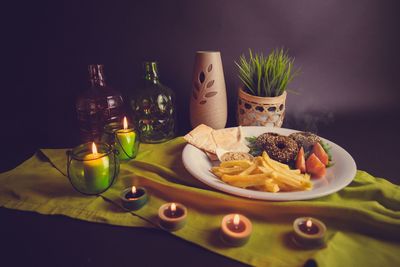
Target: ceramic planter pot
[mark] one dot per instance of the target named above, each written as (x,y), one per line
(260,111)
(208,103)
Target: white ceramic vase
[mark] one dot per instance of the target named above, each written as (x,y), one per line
(208,103)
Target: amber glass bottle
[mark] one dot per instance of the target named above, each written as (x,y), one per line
(153,107)
(98,106)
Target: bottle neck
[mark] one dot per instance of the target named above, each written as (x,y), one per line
(96,75)
(151,72)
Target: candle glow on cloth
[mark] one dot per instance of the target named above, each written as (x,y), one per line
(309,232)
(133,198)
(96,170)
(235,229)
(172,216)
(125,141)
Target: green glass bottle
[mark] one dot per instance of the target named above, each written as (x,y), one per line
(153,107)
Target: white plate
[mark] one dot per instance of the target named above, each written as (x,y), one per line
(337,176)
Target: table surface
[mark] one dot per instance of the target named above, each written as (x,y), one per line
(31,238)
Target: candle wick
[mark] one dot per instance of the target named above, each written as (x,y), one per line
(172,212)
(235,225)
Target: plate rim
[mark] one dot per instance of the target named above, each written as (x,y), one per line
(282,196)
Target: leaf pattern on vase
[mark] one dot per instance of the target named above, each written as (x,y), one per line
(211,94)
(210,83)
(203,85)
(202,77)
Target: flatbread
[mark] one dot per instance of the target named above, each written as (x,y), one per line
(201,138)
(208,139)
(230,139)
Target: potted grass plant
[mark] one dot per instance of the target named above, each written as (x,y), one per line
(261,98)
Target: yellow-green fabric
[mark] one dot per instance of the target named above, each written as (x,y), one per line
(363,219)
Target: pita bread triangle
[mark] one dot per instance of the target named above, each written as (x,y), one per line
(208,139)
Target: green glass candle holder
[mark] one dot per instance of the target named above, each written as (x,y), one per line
(126,141)
(92,167)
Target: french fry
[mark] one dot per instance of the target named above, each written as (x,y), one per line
(269,186)
(263,174)
(231,170)
(290,181)
(249,170)
(265,170)
(281,165)
(245,180)
(273,164)
(240,163)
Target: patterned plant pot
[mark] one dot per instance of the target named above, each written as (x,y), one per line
(208,103)
(260,111)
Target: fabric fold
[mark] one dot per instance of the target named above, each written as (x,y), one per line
(365,212)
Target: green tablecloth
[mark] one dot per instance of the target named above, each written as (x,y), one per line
(363,219)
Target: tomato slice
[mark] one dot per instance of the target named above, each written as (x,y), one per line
(319,151)
(300,161)
(315,167)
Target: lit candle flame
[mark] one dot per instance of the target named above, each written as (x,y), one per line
(173,207)
(133,190)
(94,148)
(125,123)
(309,223)
(236,220)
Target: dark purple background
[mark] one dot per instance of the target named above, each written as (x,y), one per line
(348,52)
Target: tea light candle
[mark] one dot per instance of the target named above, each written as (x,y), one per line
(125,142)
(134,198)
(235,229)
(172,216)
(309,232)
(96,170)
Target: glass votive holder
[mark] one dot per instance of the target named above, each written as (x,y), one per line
(126,141)
(92,167)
